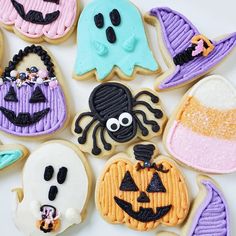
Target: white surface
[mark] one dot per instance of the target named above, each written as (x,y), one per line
(213,18)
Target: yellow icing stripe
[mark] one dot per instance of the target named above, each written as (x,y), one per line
(208,121)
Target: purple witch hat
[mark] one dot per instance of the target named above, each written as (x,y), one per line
(193,54)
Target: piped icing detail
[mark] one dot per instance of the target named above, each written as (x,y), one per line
(212,218)
(9,157)
(182,40)
(120,40)
(37,18)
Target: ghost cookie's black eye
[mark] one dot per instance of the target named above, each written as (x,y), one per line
(99,20)
(53,1)
(113,125)
(48,173)
(61,176)
(115,17)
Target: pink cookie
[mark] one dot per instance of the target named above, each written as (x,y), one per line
(202,133)
(40,20)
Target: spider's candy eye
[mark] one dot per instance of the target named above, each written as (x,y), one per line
(125,119)
(113,125)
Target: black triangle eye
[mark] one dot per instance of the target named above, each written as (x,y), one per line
(128,183)
(37,96)
(11,95)
(115,17)
(156,185)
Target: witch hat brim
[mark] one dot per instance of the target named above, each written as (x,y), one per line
(177,33)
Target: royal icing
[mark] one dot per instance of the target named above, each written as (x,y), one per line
(32,102)
(142,192)
(37,18)
(191,53)
(118,116)
(111,35)
(203,132)
(56,187)
(8,157)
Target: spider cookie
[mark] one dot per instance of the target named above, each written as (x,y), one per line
(117,116)
(209,214)
(11,154)
(142,192)
(40,20)
(202,132)
(189,54)
(32,101)
(112,40)
(56,180)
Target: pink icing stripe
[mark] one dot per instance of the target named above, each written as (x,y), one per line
(55,30)
(206,154)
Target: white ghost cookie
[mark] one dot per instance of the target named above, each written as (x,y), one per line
(56,180)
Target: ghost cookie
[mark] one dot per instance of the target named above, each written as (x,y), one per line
(112,40)
(201,134)
(142,191)
(11,154)
(209,214)
(56,180)
(189,55)
(118,116)
(40,20)
(32,101)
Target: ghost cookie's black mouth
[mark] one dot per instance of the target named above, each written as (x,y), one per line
(144,215)
(36,17)
(24,119)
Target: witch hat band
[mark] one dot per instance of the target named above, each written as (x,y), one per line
(192,55)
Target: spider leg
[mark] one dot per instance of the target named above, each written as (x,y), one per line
(154,124)
(106,145)
(83,138)
(96,150)
(153,97)
(157,112)
(78,129)
(144,130)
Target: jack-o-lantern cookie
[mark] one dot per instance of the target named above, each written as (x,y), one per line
(40,20)
(189,55)
(11,154)
(209,214)
(32,101)
(112,40)
(202,132)
(140,191)
(57,182)
(118,116)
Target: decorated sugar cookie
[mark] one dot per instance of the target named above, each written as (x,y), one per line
(209,215)
(188,53)
(142,192)
(117,116)
(202,133)
(56,181)
(32,101)
(11,154)
(112,40)
(40,20)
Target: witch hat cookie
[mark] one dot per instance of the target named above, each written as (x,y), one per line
(40,20)
(202,132)
(32,100)
(189,54)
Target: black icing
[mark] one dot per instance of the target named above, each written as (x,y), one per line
(144,215)
(52,194)
(111,35)
(11,95)
(143,198)
(37,96)
(24,119)
(115,17)
(144,152)
(110,100)
(48,173)
(53,1)
(156,185)
(128,183)
(36,17)
(61,176)
(99,20)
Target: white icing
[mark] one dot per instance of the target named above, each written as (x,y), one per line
(72,194)
(215,92)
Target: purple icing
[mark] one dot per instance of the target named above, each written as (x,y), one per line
(178,32)
(54,119)
(212,217)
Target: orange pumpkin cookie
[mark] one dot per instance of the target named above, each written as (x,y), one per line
(142,192)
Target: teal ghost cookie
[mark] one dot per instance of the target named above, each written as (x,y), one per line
(112,40)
